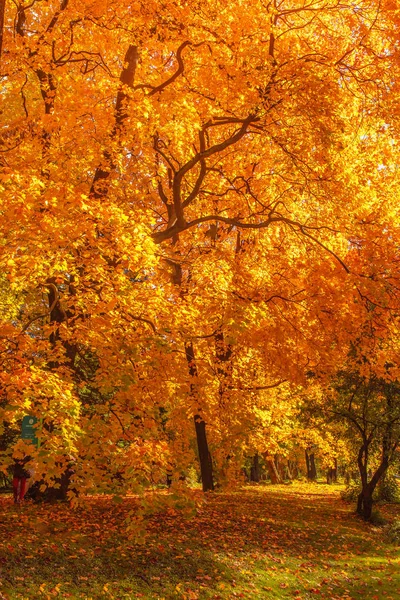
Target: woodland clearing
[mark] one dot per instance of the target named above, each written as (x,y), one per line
(289,541)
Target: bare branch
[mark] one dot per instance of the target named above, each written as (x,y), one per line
(179,70)
(200,157)
(121,113)
(264,387)
(143,320)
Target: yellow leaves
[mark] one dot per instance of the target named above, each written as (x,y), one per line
(306,162)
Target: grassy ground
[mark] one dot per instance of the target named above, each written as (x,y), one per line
(299,542)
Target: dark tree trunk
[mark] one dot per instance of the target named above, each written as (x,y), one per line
(169,477)
(99,188)
(57,291)
(365,498)
(200,426)
(205,460)
(364,504)
(311,468)
(204,455)
(255,469)
(331,474)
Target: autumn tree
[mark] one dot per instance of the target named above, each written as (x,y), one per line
(242,149)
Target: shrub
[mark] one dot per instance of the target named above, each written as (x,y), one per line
(394,532)
(350,494)
(387,491)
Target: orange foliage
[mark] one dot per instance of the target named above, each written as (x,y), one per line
(174,172)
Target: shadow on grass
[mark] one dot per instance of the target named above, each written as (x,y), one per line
(262,542)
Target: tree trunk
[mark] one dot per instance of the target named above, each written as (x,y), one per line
(57,289)
(279,467)
(311,468)
(294,469)
(255,469)
(331,474)
(200,426)
(365,498)
(289,472)
(364,504)
(168,477)
(204,455)
(272,470)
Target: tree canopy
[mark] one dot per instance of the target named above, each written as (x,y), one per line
(199,217)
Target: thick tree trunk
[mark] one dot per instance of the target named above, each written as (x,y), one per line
(272,470)
(56,290)
(255,469)
(200,426)
(204,455)
(311,468)
(364,504)
(365,498)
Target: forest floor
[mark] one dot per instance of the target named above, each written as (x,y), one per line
(292,541)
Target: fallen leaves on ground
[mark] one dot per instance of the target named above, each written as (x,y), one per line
(297,542)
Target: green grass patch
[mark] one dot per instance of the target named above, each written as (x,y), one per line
(298,542)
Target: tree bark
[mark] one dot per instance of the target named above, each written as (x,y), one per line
(331,474)
(272,470)
(200,425)
(365,498)
(255,469)
(311,468)
(289,470)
